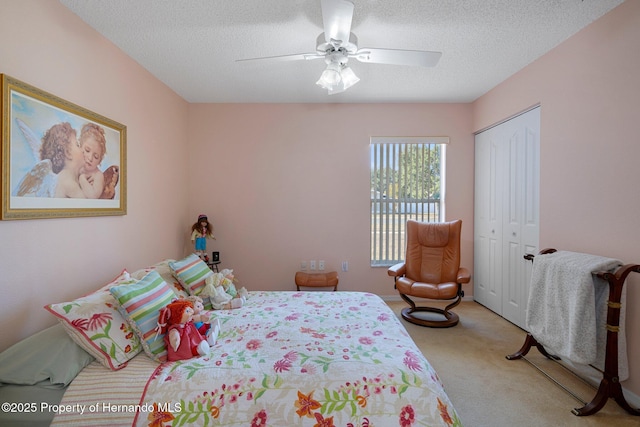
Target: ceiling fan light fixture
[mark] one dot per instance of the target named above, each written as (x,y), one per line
(337,78)
(349,78)
(337,89)
(330,77)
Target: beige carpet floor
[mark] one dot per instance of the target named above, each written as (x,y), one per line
(488,390)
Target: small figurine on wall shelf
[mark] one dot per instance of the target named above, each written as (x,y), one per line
(200,232)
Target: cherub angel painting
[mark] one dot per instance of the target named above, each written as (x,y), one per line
(67,166)
(58,159)
(59,155)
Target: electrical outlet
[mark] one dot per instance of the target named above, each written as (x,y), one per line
(321,265)
(345,265)
(303,265)
(312,265)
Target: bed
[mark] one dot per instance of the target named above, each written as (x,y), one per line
(282,359)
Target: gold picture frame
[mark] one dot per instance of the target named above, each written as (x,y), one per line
(58,159)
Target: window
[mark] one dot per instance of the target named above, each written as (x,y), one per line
(406,183)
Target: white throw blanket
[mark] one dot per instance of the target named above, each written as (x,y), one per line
(567,308)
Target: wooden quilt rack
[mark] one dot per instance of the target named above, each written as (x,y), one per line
(610,384)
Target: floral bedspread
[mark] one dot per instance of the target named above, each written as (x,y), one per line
(302,359)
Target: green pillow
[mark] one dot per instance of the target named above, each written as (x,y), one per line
(49,355)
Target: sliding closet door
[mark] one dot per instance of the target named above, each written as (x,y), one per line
(506,214)
(521,212)
(488,221)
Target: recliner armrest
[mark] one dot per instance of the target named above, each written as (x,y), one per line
(397,270)
(463,275)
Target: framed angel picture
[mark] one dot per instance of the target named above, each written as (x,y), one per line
(58,159)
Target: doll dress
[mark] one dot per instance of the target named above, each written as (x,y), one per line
(189,340)
(201,244)
(200,239)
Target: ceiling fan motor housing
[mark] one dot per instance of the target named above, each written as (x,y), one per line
(324,46)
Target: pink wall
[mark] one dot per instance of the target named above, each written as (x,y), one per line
(45,261)
(290,182)
(285,183)
(589,92)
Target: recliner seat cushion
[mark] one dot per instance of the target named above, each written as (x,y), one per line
(446,290)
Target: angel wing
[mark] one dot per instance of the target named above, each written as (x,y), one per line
(40,181)
(32,139)
(111,177)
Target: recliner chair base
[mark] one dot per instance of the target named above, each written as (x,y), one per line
(450,318)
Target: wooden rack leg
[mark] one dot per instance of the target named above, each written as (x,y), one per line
(529,342)
(608,388)
(610,384)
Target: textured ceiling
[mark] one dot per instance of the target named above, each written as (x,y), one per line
(192,45)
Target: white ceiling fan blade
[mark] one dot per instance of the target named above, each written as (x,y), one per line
(336,17)
(420,58)
(283,58)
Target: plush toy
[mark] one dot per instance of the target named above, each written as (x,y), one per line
(222,292)
(202,230)
(202,320)
(182,339)
(229,284)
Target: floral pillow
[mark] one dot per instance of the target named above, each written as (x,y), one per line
(140,304)
(94,323)
(192,273)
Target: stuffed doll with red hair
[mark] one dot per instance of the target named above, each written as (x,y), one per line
(182,338)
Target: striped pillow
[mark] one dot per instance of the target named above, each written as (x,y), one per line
(191,272)
(166,273)
(140,304)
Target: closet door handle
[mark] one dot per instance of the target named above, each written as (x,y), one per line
(513,234)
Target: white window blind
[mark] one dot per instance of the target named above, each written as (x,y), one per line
(406,183)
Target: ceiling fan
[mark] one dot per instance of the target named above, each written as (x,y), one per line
(337,44)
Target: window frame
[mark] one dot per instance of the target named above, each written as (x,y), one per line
(392,250)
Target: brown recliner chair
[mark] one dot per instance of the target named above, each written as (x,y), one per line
(431,270)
